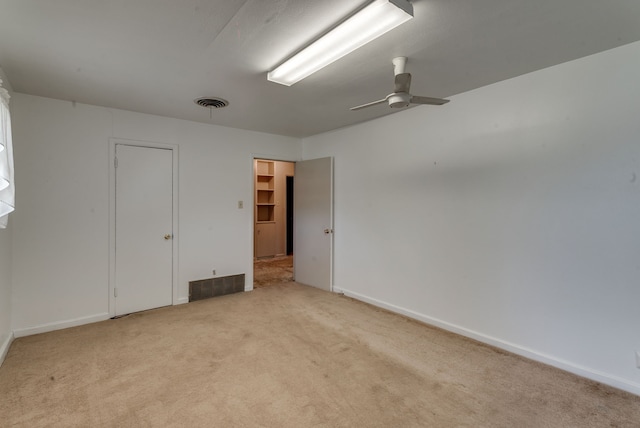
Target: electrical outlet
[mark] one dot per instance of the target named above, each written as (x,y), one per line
(638,359)
(213,272)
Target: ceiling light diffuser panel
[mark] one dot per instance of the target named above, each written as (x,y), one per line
(369,23)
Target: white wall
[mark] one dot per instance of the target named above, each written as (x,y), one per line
(5,267)
(511,214)
(60,247)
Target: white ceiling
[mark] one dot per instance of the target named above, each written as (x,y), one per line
(157,56)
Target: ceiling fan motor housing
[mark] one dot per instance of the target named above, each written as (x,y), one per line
(399,100)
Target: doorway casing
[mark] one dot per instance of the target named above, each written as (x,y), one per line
(112,215)
(329,225)
(254,157)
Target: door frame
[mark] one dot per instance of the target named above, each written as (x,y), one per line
(112,215)
(252,218)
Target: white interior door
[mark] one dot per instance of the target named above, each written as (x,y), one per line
(313,223)
(143,223)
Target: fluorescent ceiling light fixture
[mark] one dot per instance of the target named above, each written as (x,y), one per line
(367,24)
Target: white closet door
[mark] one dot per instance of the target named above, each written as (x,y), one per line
(144,236)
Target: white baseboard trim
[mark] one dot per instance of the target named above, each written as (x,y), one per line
(59,325)
(568,366)
(182,300)
(4,347)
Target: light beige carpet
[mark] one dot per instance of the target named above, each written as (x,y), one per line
(288,356)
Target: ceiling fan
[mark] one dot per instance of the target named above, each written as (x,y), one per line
(401,97)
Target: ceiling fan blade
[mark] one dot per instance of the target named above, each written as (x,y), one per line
(403,82)
(368,104)
(428,100)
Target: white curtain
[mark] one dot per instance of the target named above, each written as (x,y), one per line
(7,187)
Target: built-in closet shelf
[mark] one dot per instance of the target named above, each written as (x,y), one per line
(265,184)
(265,167)
(265,191)
(264,213)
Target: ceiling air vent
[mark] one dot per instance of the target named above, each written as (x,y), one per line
(210,102)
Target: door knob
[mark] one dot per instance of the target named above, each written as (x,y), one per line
(328,231)
(167,236)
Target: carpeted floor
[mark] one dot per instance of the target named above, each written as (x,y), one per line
(271,271)
(288,356)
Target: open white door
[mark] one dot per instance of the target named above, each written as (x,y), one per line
(313,223)
(144,228)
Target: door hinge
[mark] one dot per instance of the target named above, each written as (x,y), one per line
(115,162)
(115,292)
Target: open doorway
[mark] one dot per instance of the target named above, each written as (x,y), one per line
(273,222)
